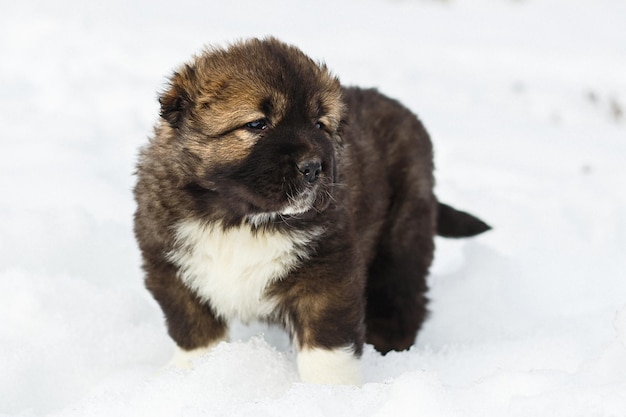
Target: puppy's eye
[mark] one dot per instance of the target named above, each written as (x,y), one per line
(320,125)
(260,124)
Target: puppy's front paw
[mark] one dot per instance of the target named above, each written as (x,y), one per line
(338,366)
(183,359)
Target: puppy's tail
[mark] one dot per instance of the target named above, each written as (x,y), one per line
(455,223)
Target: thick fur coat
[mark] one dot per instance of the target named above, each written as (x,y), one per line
(271,192)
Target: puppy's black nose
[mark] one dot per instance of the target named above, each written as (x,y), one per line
(311,170)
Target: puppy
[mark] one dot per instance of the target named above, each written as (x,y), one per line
(270,192)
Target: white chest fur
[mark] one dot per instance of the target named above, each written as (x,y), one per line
(231,269)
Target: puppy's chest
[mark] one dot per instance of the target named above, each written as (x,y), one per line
(231,269)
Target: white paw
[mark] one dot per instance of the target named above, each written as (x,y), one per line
(183,359)
(329,366)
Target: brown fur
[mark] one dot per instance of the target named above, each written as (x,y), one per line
(364,278)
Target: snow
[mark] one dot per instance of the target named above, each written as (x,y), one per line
(525,101)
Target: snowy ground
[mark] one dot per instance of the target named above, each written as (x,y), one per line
(525,101)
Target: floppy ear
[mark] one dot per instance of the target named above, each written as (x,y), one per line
(176,102)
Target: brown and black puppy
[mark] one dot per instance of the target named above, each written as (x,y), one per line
(270,192)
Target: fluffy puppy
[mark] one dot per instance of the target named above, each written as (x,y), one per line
(270,192)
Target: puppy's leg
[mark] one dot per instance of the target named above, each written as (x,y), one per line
(396,286)
(191,323)
(328,331)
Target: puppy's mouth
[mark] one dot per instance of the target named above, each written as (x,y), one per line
(300,204)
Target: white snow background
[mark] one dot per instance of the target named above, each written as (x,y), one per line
(525,102)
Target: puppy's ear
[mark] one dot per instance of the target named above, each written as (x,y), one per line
(177,101)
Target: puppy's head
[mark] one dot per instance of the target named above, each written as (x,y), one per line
(256,125)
